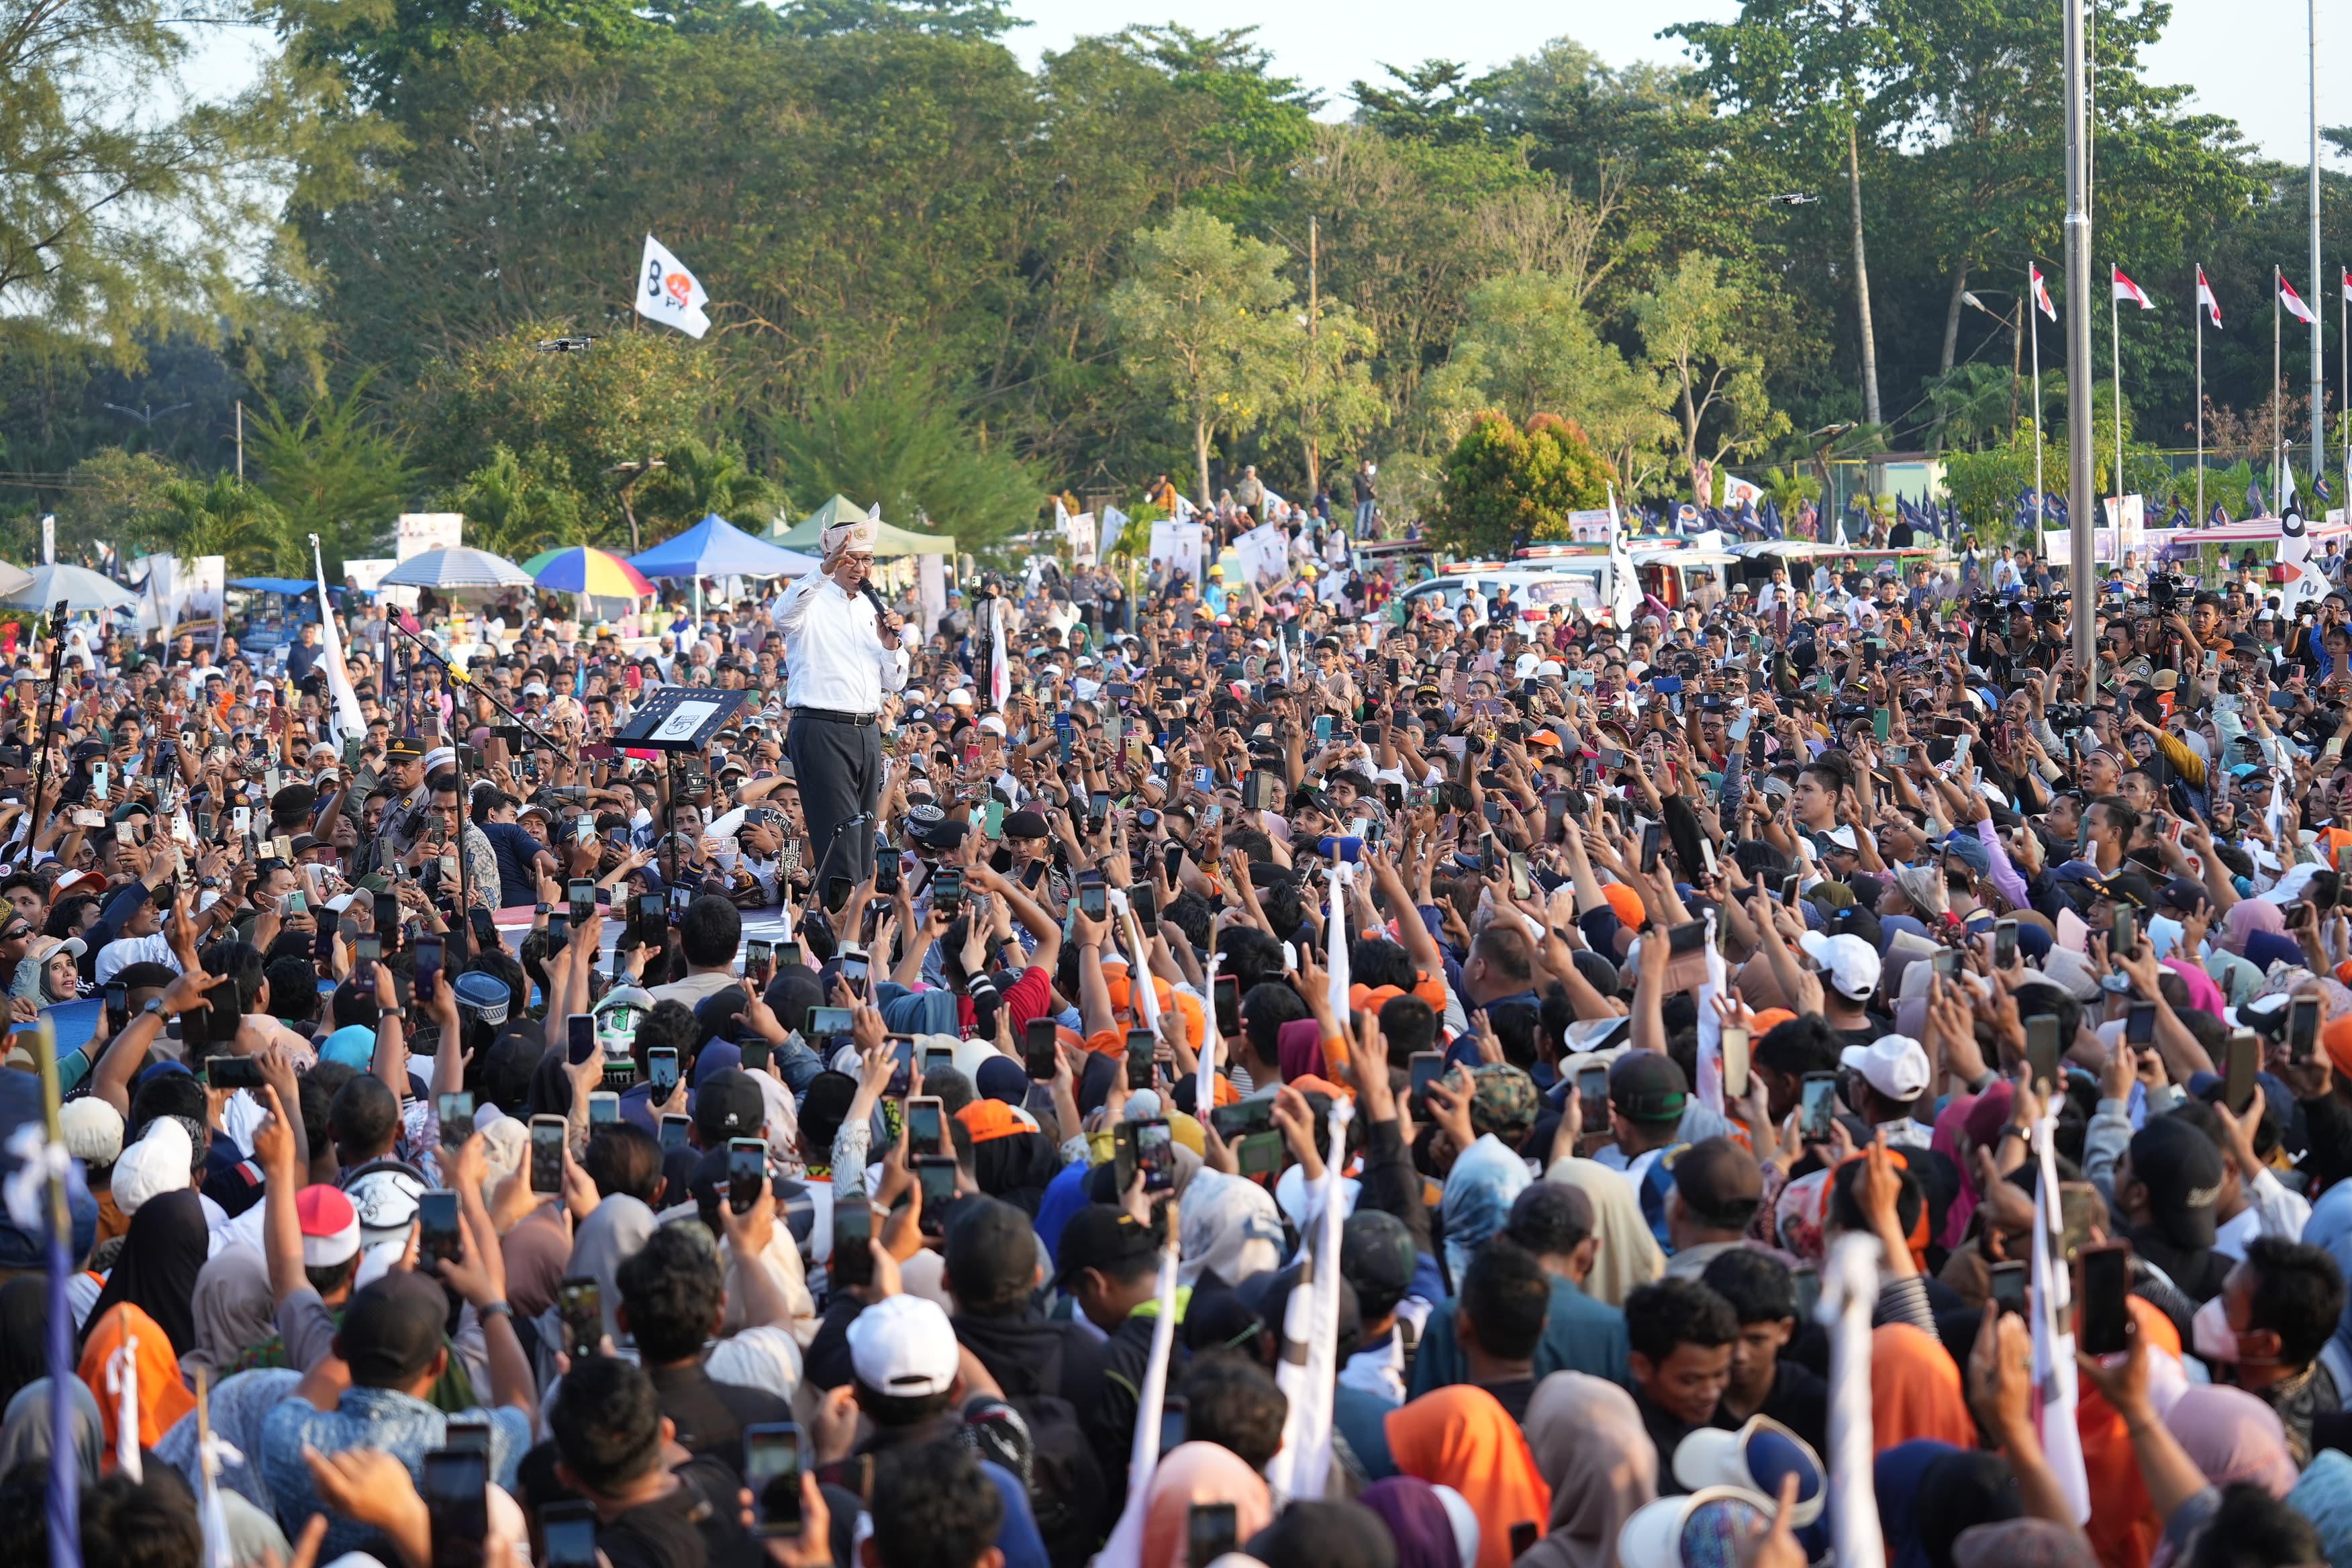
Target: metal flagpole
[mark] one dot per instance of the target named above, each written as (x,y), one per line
(2343,398)
(2082,505)
(2278,387)
(2032,297)
(2318,437)
(2197,310)
(2116,360)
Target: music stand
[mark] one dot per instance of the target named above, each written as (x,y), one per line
(673,719)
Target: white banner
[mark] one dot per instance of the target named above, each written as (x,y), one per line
(1081,534)
(1114,527)
(668,293)
(1263,554)
(1177,542)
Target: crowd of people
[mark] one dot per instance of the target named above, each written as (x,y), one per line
(905,1131)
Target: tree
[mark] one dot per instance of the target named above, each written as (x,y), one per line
(1196,318)
(334,471)
(1505,484)
(515,511)
(127,197)
(896,440)
(695,481)
(1325,396)
(1433,101)
(117,497)
(571,416)
(225,517)
(1526,347)
(1690,330)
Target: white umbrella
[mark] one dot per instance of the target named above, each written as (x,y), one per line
(460,568)
(78,586)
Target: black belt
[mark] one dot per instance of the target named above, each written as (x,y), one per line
(861,719)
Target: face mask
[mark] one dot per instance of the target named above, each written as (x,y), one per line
(2211,1336)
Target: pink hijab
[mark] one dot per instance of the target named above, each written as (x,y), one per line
(1951,1123)
(2202,992)
(1298,1048)
(2232,1436)
(2246,916)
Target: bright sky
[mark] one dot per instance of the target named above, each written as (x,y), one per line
(2243,57)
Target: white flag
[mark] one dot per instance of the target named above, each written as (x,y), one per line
(346,719)
(1309,1372)
(1000,675)
(1626,601)
(1125,1547)
(668,293)
(2053,1337)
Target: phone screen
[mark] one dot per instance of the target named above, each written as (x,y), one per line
(673,1130)
(547,1153)
(1592,1089)
(2139,1024)
(436,1226)
(661,1070)
(2245,1061)
(1094,900)
(1037,1050)
(771,1470)
(583,898)
(568,1532)
(2123,940)
(1210,1532)
(2301,1028)
(1820,1106)
(1228,992)
(1428,1067)
(1735,1062)
(926,1126)
(580,1037)
(853,1227)
(457,1114)
(428,968)
(1155,1155)
(1140,1043)
(2009,1281)
(455,1490)
(2004,944)
(747,1167)
(2042,1049)
(1653,836)
(2107,1312)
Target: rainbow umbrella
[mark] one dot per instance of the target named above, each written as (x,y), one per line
(581,570)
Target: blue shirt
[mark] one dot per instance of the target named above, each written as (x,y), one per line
(1580,1334)
(516,850)
(383,1418)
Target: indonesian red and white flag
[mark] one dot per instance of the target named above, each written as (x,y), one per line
(2293,300)
(2348,283)
(2125,288)
(2041,292)
(2205,298)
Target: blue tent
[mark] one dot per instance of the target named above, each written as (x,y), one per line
(717,548)
(289,586)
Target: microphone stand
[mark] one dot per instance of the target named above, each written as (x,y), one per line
(41,736)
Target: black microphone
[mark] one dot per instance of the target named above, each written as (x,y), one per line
(881,609)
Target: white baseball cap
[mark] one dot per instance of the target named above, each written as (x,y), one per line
(1714,1527)
(1755,1458)
(1848,964)
(903,1346)
(1894,1065)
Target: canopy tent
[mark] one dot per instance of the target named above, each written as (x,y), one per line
(717,548)
(453,570)
(274,584)
(888,540)
(78,586)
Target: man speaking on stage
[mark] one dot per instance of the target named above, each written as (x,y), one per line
(841,654)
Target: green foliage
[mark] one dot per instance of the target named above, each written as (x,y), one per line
(1195,320)
(1433,101)
(1692,330)
(569,417)
(1790,488)
(1506,484)
(1984,485)
(117,497)
(334,471)
(515,510)
(896,437)
(695,481)
(235,520)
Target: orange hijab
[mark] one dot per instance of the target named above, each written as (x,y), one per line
(1915,1391)
(163,1396)
(1194,1473)
(1459,1436)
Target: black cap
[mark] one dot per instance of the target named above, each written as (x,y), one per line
(405,749)
(944,835)
(1026,825)
(1376,1255)
(1646,1086)
(1719,1181)
(1101,1235)
(991,1252)
(728,1105)
(2181,1169)
(393,1329)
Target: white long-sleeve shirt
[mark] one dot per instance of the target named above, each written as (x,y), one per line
(833,657)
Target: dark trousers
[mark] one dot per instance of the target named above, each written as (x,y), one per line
(839,769)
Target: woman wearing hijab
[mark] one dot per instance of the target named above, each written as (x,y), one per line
(163,1396)
(1194,1473)
(1929,1492)
(1915,1390)
(24,1333)
(1318,1532)
(235,1310)
(611,1234)
(1420,1522)
(1478,1203)
(1461,1438)
(1596,1455)
(1228,1227)
(1009,1158)
(2232,1436)
(1628,1256)
(163,1254)
(25,1429)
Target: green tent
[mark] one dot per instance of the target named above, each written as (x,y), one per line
(890,540)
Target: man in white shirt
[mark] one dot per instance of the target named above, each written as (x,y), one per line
(841,654)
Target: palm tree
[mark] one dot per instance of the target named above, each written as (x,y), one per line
(511,511)
(228,518)
(695,481)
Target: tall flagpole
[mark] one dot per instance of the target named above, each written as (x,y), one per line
(2278,387)
(2197,310)
(2116,360)
(2082,505)
(2343,398)
(2318,370)
(2032,298)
